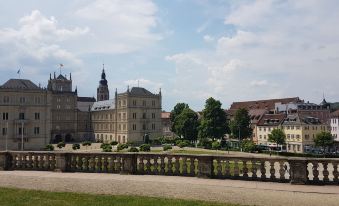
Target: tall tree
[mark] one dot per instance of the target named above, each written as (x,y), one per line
(277,136)
(242,122)
(186,124)
(213,122)
(323,139)
(178,108)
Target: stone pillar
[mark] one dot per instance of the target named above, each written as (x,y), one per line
(61,162)
(205,166)
(298,171)
(5,161)
(129,164)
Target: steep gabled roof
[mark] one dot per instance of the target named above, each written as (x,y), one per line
(103,105)
(271,119)
(20,84)
(61,77)
(139,91)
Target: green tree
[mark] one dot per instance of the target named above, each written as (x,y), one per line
(186,125)
(323,139)
(213,122)
(178,108)
(277,136)
(242,122)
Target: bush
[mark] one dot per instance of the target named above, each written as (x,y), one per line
(223,143)
(114,143)
(248,146)
(86,143)
(107,148)
(49,147)
(183,144)
(61,145)
(216,145)
(167,147)
(205,143)
(75,146)
(177,142)
(156,141)
(133,149)
(103,145)
(122,146)
(145,148)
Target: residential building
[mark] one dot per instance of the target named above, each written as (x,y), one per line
(25,112)
(335,125)
(301,130)
(265,125)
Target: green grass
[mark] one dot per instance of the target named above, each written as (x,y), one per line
(183,151)
(16,197)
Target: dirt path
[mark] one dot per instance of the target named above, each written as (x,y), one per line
(241,192)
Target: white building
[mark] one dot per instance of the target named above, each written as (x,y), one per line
(335,125)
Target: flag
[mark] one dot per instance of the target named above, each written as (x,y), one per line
(18,72)
(61,65)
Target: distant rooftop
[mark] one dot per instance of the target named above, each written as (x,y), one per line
(103,105)
(86,99)
(139,91)
(20,84)
(268,104)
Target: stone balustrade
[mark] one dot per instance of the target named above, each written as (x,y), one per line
(273,169)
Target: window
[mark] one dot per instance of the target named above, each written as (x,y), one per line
(264,136)
(143,103)
(260,136)
(124,126)
(5,116)
(6,99)
(134,102)
(22,99)
(134,115)
(124,102)
(124,116)
(4,131)
(21,115)
(37,100)
(20,130)
(134,126)
(153,115)
(36,130)
(259,128)
(144,126)
(119,116)
(58,106)
(144,115)
(37,116)
(153,103)
(153,126)
(58,100)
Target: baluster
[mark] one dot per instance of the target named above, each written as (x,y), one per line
(254,169)
(156,166)
(29,161)
(315,171)
(35,163)
(53,162)
(177,165)
(192,166)
(282,171)
(148,165)
(325,171)
(272,170)
(245,169)
(184,166)
(18,161)
(170,166)
(219,168)
(99,163)
(23,161)
(80,163)
(227,169)
(46,162)
(162,165)
(335,172)
(105,164)
(236,168)
(263,169)
(141,165)
(41,161)
(92,163)
(86,163)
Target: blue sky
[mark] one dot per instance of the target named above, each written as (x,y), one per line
(192,49)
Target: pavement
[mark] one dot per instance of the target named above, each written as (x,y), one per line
(232,191)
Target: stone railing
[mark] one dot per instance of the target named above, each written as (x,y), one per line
(274,169)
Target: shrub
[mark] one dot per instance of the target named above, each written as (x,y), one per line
(49,147)
(61,145)
(183,144)
(145,148)
(216,145)
(75,146)
(86,143)
(177,142)
(133,149)
(248,146)
(167,147)
(114,143)
(205,143)
(103,145)
(223,143)
(122,146)
(107,148)
(156,141)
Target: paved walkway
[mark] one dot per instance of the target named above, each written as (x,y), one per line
(234,191)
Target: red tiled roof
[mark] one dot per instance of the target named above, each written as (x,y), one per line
(165,115)
(271,119)
(268,104)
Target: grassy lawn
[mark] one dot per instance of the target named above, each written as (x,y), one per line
(14,197)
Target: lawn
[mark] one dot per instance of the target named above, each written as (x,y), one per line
(16,197)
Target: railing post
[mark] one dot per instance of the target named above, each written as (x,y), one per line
(298,171)
(60,162)
(5,160)
(129,164)
(205,166)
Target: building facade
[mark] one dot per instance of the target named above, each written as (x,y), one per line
(25,115)
(335,125)
(264,127)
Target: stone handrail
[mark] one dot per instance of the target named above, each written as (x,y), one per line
(273,169)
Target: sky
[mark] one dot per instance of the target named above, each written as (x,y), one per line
(231,50)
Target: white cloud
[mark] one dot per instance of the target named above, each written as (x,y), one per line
(208,38)
(259,83)
(146,83)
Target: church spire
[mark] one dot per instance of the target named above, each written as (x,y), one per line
(102,91)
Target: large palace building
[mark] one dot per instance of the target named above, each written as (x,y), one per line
(32,116)
(129,117)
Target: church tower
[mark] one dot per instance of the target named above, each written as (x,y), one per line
(102,91)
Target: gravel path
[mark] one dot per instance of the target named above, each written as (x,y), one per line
(241,192)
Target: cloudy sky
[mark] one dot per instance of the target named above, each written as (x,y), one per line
(232,50)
